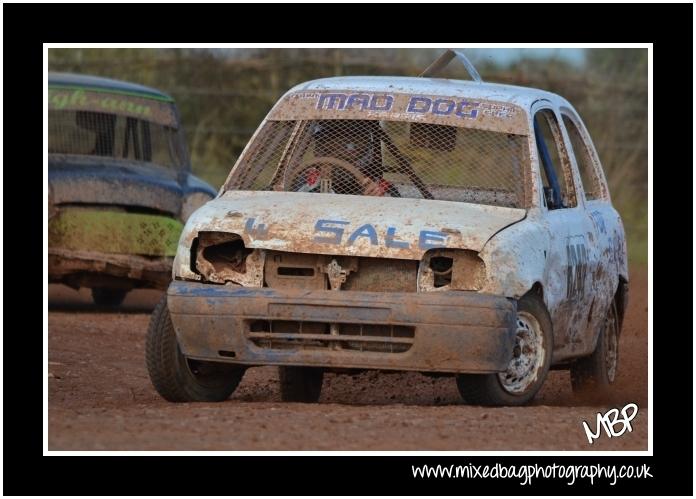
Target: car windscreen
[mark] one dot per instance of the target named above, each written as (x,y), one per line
(102,124)
(391,157)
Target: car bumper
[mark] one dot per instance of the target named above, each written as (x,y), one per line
(458,332)
(92,268)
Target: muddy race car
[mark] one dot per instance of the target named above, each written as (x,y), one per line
(120,185)
(411,224)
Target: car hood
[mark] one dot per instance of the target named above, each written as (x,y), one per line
(108,182)
(334,224)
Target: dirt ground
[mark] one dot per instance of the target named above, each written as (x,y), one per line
(100,398)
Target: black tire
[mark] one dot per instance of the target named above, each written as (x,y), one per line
(300,384)
(516,389)
(178,379)
(593,375)
(108,297)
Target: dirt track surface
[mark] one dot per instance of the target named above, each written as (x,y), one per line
(100,398)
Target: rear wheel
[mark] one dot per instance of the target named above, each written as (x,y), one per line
(300,384)
(178,379)
(108,297)
(528,367)
(594,374)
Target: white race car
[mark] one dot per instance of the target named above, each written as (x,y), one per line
(396,223)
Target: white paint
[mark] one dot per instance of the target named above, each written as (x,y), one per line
(521,96)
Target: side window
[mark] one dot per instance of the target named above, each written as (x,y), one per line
(556,176)
(588,171)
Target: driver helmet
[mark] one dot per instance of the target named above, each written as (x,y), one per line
(350,140)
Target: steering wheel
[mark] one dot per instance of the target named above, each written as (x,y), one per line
(326,165)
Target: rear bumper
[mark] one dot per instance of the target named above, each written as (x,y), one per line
(430,332)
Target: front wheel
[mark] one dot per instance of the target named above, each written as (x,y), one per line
(178,379)
(527,369)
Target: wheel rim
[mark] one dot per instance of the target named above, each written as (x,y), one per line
(611,344)
(528,356)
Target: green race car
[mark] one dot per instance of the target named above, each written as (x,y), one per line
(120,185)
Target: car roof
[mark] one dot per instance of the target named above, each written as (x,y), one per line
(105,84)
(521,96)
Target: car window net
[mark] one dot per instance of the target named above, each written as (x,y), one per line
(393,158)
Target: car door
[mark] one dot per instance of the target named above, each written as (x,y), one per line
(604,225)
(571,253)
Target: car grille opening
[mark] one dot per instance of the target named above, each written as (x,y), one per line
(296,271)
(279,334)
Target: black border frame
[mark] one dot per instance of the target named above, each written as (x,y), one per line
(26,27)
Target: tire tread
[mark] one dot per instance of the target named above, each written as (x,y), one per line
(167,370)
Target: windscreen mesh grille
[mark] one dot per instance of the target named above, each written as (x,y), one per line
(387,158)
